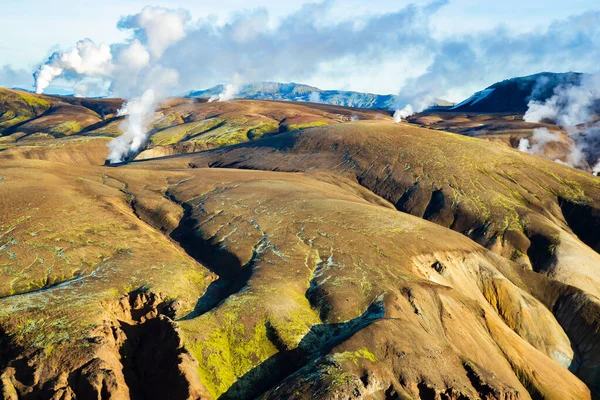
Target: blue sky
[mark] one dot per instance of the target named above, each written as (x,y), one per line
(31,30)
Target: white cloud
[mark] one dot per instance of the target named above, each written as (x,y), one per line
(158,27)
(134,55)
(309,43)
(11,77)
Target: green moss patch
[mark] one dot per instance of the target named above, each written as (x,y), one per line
(296,127)
(182,132)
(66,128)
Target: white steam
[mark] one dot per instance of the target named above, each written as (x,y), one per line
(524,145)
(418,105)
(123,111)
(406,112)
(133,70)
(314,97)
(227,94)
(575,109)
(540,138)
(86,58)
(139,112)
(45,75)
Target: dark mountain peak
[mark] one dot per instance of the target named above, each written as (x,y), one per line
(513,95)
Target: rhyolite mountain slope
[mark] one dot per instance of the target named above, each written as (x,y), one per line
(355,259)
(506,129)
(73,130)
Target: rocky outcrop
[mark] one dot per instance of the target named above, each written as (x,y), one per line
(136,353)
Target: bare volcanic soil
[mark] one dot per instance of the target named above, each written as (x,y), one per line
(329,259)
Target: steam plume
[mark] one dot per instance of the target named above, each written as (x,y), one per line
(314,97)
(418,105)
(540,137)
(133,69)
(228,94)
(86,58)
(575,108)
(524,145)
(406,112)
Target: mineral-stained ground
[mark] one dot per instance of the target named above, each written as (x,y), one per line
(286,250)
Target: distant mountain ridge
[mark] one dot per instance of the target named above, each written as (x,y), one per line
(507,96)
(513,95)
(301,92)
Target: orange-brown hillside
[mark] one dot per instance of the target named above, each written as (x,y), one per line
(281,250)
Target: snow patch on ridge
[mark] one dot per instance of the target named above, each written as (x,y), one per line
(476,98)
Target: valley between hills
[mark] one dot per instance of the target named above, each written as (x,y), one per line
(266,249)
